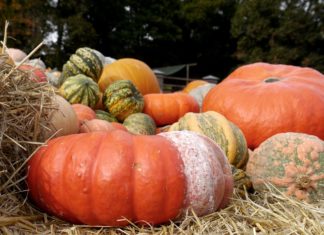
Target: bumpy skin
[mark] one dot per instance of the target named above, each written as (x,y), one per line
(100,178)
(122,99)
(293,162)
(215,126)
(208,173)
(80,89)
(264,99)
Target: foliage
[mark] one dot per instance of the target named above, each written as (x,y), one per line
(280,31)
(218,35)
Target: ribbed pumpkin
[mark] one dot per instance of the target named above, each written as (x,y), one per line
(242,182)
(116,177)
(193,84)
(293,162)
(219,129)
(94,125)
(167,108)
(80,89)
(140,123)
(130,69)
(83,61)
(265,99)
(103,115)
(122,98)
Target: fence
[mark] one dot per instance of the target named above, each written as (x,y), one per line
(172,84)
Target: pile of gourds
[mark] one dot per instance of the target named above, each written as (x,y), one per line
(145,156)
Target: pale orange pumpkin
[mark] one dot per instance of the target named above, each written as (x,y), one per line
(193,84)
(130,69)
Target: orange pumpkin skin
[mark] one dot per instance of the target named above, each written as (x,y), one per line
(293,162)
(99,178)
(193,84)
(83,112)
(264,99)
(99,125)
(167,108)
(130,69)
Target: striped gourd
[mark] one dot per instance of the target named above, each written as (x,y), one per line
(225,133)
(83,61)
(140,123)
(103,115)
(122,99)
(80,89)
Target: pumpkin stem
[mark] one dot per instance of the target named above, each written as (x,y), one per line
(270,80)
(303,181)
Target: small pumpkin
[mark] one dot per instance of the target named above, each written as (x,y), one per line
(167,108)
(265,99)
(193,84)
(103,115)
(35,74)
(293,162)
(200,92)
(83,112)
(122,99)
(140,123)
(215,126)
(80,89)
(160,179)
(61,120)
(98,125)
(131,69)
(84,61)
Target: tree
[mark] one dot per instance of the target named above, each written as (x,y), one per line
(280,31)
(207,39)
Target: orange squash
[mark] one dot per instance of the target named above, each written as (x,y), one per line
(130,69)
(167,108)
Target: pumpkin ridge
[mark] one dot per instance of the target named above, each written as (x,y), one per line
(96,67)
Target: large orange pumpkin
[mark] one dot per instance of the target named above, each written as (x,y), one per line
(111,178)
(265,99)
(167,108)
(130,69)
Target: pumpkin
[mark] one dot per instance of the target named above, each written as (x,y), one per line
(167,108)
(98,125)
(122,98)
(208,173)
(293,162)
(193,84)
(84,61)
(80,89)
(215,126)
(131,69)
(61,120)
(242,182)
(265,99)
(140,123)
(35,74)
(200,92)
(16,54)
(83,112)
(103,115)
(116,177)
